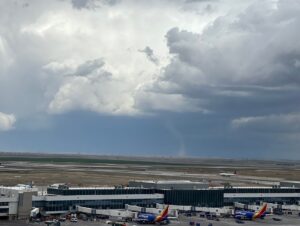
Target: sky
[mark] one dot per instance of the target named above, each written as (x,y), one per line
(178,78)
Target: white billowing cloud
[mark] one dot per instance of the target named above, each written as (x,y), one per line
(49,45)
(7,121)
(129,70)
(6,58)
(275,123)
(90,86)
(98,92)
(84,54)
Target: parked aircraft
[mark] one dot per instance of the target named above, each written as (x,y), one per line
(149,218)
(248,215)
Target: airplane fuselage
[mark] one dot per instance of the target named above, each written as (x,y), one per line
(148,218)
(246,215)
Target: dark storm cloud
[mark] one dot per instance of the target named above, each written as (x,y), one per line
(79,4)
(233,59)
(112,2)
(150,54)
(92,4)
(259,47)
(246,69)
(89,66)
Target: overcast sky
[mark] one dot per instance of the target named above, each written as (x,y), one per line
(207,78)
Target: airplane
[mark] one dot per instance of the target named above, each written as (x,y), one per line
(248,215)
(228,174)
(149,218)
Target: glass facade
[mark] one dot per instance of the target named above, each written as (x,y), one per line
(97,204)
(4,210)
(203,198)
(262,190)
(257,200)
(117,191)
(207,198)
(66,205)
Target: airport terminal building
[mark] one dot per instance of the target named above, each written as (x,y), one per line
(60,198)
(16,202)
(149,193)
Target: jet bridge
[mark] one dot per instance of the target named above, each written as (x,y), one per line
(106,212)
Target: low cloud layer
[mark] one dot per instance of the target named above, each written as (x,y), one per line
(7,121)
(284,123)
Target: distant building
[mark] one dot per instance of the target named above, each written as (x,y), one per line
(16,202)
(293,184)
(169,184)
(255,195)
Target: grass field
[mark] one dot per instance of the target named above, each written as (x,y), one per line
(114,170)
(81,160)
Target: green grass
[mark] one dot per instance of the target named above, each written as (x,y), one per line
(78,160)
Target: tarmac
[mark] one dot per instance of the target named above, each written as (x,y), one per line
(286,220)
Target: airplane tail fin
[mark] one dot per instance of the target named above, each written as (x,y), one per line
(163,214)
(261,212)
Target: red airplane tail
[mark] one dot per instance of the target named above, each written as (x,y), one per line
(260,212)
(163,214)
